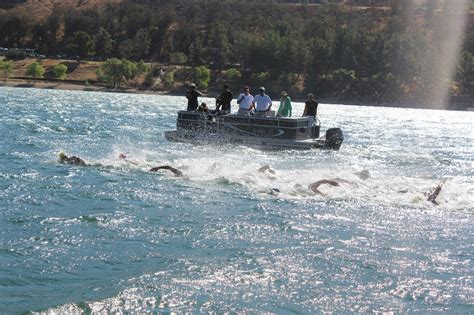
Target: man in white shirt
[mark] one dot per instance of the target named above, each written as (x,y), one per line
(245,101)
(262,103)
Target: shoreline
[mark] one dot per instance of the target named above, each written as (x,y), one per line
(72,85)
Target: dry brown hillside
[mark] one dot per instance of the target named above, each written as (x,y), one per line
(40,9)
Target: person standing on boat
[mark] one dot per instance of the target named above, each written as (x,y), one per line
(224,100)
(285,105)
(311,107)
(262,103)
(245,101)
(192,95)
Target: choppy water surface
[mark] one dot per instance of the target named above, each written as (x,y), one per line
(113,237)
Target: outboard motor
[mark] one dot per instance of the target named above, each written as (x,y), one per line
(334,138)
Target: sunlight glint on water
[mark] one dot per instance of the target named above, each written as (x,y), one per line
(113,237)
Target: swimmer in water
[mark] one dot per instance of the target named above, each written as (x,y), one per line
(63,158)
(175,171)
(314,186)
(434,194)
(123,157)
(266,168)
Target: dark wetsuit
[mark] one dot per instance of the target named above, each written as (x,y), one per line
(223,101)
(311,108)
(192,96)
(73,160)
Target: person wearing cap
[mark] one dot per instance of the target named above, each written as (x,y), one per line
(284,110)
(262,103)
(245,101)
(311,107)
(192,95)
(224,100)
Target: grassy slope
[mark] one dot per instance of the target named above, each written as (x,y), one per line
(40,9)
(80,72)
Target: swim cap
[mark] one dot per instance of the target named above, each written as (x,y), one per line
(62,156)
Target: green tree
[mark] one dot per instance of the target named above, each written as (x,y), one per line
(6,68)
(169,78)
(261,77)
(218,45)
(137,47)
(294,55)
(35,70)
(103,43)
(81,44)
(465,74)
(14,54)
(59,71)
(168,47)
(143,67)
(112,72)
(232,75)
(202,76)
(149,80)
(178,58)
(197,53)
(130,70)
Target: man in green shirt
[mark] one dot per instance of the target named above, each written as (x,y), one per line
(285,105)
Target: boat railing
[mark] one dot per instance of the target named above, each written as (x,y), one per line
(280,121)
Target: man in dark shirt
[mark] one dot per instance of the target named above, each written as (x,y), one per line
(311,108)
(192,96)
(223,101)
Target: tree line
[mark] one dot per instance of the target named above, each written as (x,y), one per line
(363,55)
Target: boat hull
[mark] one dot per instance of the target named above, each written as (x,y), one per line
(258,142)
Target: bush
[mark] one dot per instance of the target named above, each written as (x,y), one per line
(35,70)
(232,75)
(59,71)
(99,75)
(130,69)
(183,74)
(14,54)
(149,79)
(178,58)
(6,68)
(142,67)
(169,78)
(202,76)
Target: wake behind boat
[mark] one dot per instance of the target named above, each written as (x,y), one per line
(264,132)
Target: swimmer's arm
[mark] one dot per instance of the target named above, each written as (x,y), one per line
(432,197)
(167,167)
(314,186)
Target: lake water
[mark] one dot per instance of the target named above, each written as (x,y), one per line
(112,237)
